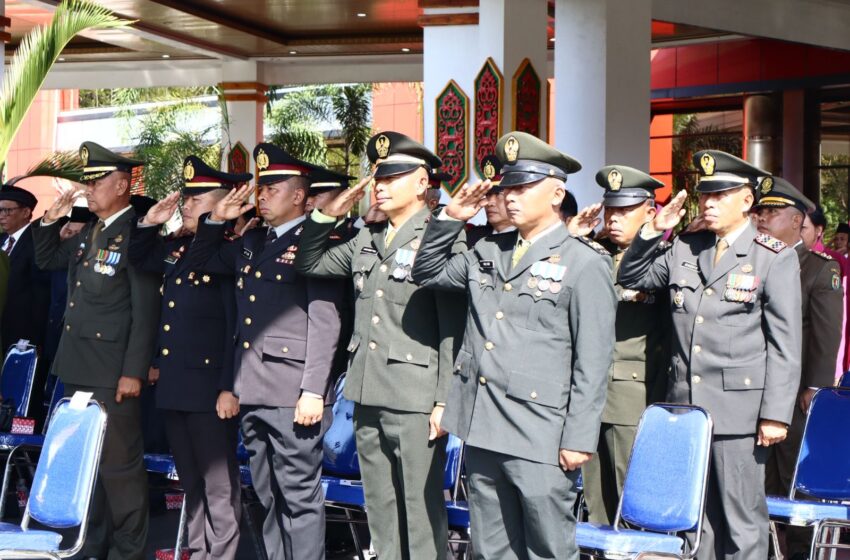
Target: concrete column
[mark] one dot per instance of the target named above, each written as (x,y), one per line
(602,72)
(245,98)
(793,136)
(763,132)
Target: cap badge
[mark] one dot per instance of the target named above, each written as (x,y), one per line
(382,146)
(188,171)
(84,155)
(707,163)
(766,185)
(262,160)
(511,149)
(615,180)
(489,170)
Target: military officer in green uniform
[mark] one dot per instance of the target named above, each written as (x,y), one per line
(401,350)
(638,375)
(108,341)
(736,340)
(781,212)
(530,378)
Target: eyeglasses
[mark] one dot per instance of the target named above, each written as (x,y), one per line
(7,211)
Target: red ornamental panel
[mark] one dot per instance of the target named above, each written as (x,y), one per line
(489,91)
(237,159)
(452,123)
(526,97)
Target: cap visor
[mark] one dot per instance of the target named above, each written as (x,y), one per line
(518,179)
(616,200)
(719,186)
(393,169)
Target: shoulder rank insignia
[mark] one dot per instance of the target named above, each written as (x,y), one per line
(824,256)
(594,245)
(770,242)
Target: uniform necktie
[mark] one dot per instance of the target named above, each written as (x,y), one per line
(389,238)
(618,257)
(271,236)
(10,242)
(722,245)
(98,227)
(521,248)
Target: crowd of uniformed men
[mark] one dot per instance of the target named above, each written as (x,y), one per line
(534,344)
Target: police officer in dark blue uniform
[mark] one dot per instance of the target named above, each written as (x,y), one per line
(195,361)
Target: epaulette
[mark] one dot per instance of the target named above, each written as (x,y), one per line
(298,231)
(594,245)
(770,242)
(664,245)
(230,235)
(824,256)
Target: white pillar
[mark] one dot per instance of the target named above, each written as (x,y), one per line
(602,89)
(245,98)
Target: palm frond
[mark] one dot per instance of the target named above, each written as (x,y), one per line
(37,53)
(61,165)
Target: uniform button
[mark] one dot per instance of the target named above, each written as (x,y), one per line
(489,345)
(373,345)
(482,380)
(197,282)
(747,381)
(86,264)
(699,319)
(72,304)
(634,375)
(375,319)
(67,327)
(482,281)
(258,274)
(696,379)
(500,315)
(207,361)
(171,304)
(697,349)
(97,335)
(379,293)
(408,357)
(383,268)
(78,283)
(683,281)
(252,298)
(166,328)
(285,349)
(278,277)
(508,287)
(178,281)
(708,291)
(247,320)
(533,394)
(246,345)
(165,351)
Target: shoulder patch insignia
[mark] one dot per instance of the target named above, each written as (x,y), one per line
(594,245)
(770,242)
(824,256)
(836,281)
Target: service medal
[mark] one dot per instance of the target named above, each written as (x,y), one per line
(543,285)
(532,282)
(555,287)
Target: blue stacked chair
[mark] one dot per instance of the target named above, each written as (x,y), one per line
(845,380)
(17,376)
(63,484)
(664,491)
(822,475)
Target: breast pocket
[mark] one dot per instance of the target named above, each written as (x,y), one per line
(542,305)
(683,286)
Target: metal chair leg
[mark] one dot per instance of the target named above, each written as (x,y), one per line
(774,537)
(355,536)
(180,530)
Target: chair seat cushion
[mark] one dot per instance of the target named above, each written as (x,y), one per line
(13,538)
(458,513)
(162,464)
(595,536)
(14,440)
(342,491)
(805,511)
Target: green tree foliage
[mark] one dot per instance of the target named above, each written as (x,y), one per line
(94,98)
(834,187)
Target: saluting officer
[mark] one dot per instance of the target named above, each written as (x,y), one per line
(402,349)
(638,375)
(195,361)
(108,340)
(735,304)
(530,378)
(498,221)
(781,212)
(286,335)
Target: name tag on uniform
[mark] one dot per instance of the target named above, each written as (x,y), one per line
(689,265)
(247,254)
(171,259)
(368,251)
(485,265)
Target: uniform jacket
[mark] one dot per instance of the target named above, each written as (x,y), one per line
(531,375)
(638,376)
(287,325)
(4,282)
(28,301)
(110,320)
(736,326)
(823,313)
(402,348)
(197,321)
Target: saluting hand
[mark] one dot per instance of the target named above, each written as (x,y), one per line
(233,204)
(162,211)
(309,410)
(572,460)
(345,201)
(128,388)
(468,200)
(585,221)
(434,429)
(65,197)
(770,432)
(227,405)
(670,216)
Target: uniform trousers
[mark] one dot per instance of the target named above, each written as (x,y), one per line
(402,475)
(736,521)
(118,521)
(204,451)
(520,509)
(286,461)
(604,475)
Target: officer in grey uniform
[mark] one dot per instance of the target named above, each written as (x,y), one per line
(401,351)
(530,379)
(108,340)
(735,303)
(781,212)
(638,376)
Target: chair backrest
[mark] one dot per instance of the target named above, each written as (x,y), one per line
(454,462)
(823,464)
(845,380)
(667,474)
(340,450)
(65,475)
(17,376)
